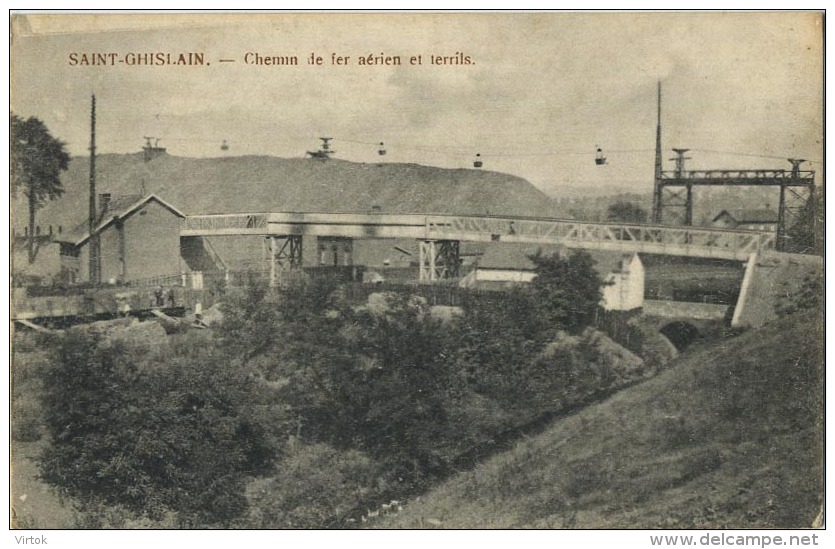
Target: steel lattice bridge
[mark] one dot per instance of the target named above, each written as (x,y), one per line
(440,235)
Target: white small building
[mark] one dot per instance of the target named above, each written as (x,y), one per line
(748,220)
(505,265)
(624,289)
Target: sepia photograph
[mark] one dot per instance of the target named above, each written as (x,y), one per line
(554,271)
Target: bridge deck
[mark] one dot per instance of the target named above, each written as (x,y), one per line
(671,240)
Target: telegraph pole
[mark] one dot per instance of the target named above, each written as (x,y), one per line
(94,265)
(656,195)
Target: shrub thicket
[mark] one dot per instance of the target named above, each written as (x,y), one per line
(333,406)
(151,432)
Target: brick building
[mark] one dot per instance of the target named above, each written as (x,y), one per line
(139,238)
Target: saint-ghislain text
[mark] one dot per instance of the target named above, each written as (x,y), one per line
(151,58)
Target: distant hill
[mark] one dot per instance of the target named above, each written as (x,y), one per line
(265,183)
(731,436)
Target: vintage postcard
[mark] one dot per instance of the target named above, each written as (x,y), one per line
(284,271)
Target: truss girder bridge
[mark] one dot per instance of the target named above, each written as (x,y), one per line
(673,197)
(440,236)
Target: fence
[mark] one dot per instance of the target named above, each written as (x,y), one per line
(178,279)
(434,294)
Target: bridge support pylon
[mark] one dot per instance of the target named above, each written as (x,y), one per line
(439,259)
(283,253)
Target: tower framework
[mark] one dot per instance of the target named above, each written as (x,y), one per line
(672,202)
(674,195)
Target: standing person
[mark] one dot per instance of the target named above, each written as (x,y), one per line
(171,297)
(159,293)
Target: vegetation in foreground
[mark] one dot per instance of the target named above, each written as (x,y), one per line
(731,437)
(304,411)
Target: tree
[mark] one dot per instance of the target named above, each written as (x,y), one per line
(627,212)
(500,338)
(806,233)
(152,433)
(37,162)
(567,289)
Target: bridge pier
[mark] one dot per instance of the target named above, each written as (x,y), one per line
(439,259)
(284,252)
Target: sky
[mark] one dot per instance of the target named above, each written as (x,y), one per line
(742,90)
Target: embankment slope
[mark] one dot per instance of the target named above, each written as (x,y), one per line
(731,436)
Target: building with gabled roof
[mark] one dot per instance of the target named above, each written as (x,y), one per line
(749,220)
(139,238)
(505,265)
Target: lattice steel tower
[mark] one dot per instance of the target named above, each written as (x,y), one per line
(673,191)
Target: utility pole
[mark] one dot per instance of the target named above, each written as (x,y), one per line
(656,195)
(94,250)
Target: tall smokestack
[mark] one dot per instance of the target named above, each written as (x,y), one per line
(94,265)
(656,195)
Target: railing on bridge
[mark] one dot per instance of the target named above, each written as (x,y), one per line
(646,238)
(221,222)
(745,241)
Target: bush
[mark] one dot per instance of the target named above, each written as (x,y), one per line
(131,431)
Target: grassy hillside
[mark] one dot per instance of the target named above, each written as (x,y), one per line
(777,277)
(263,183)
(729,437)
